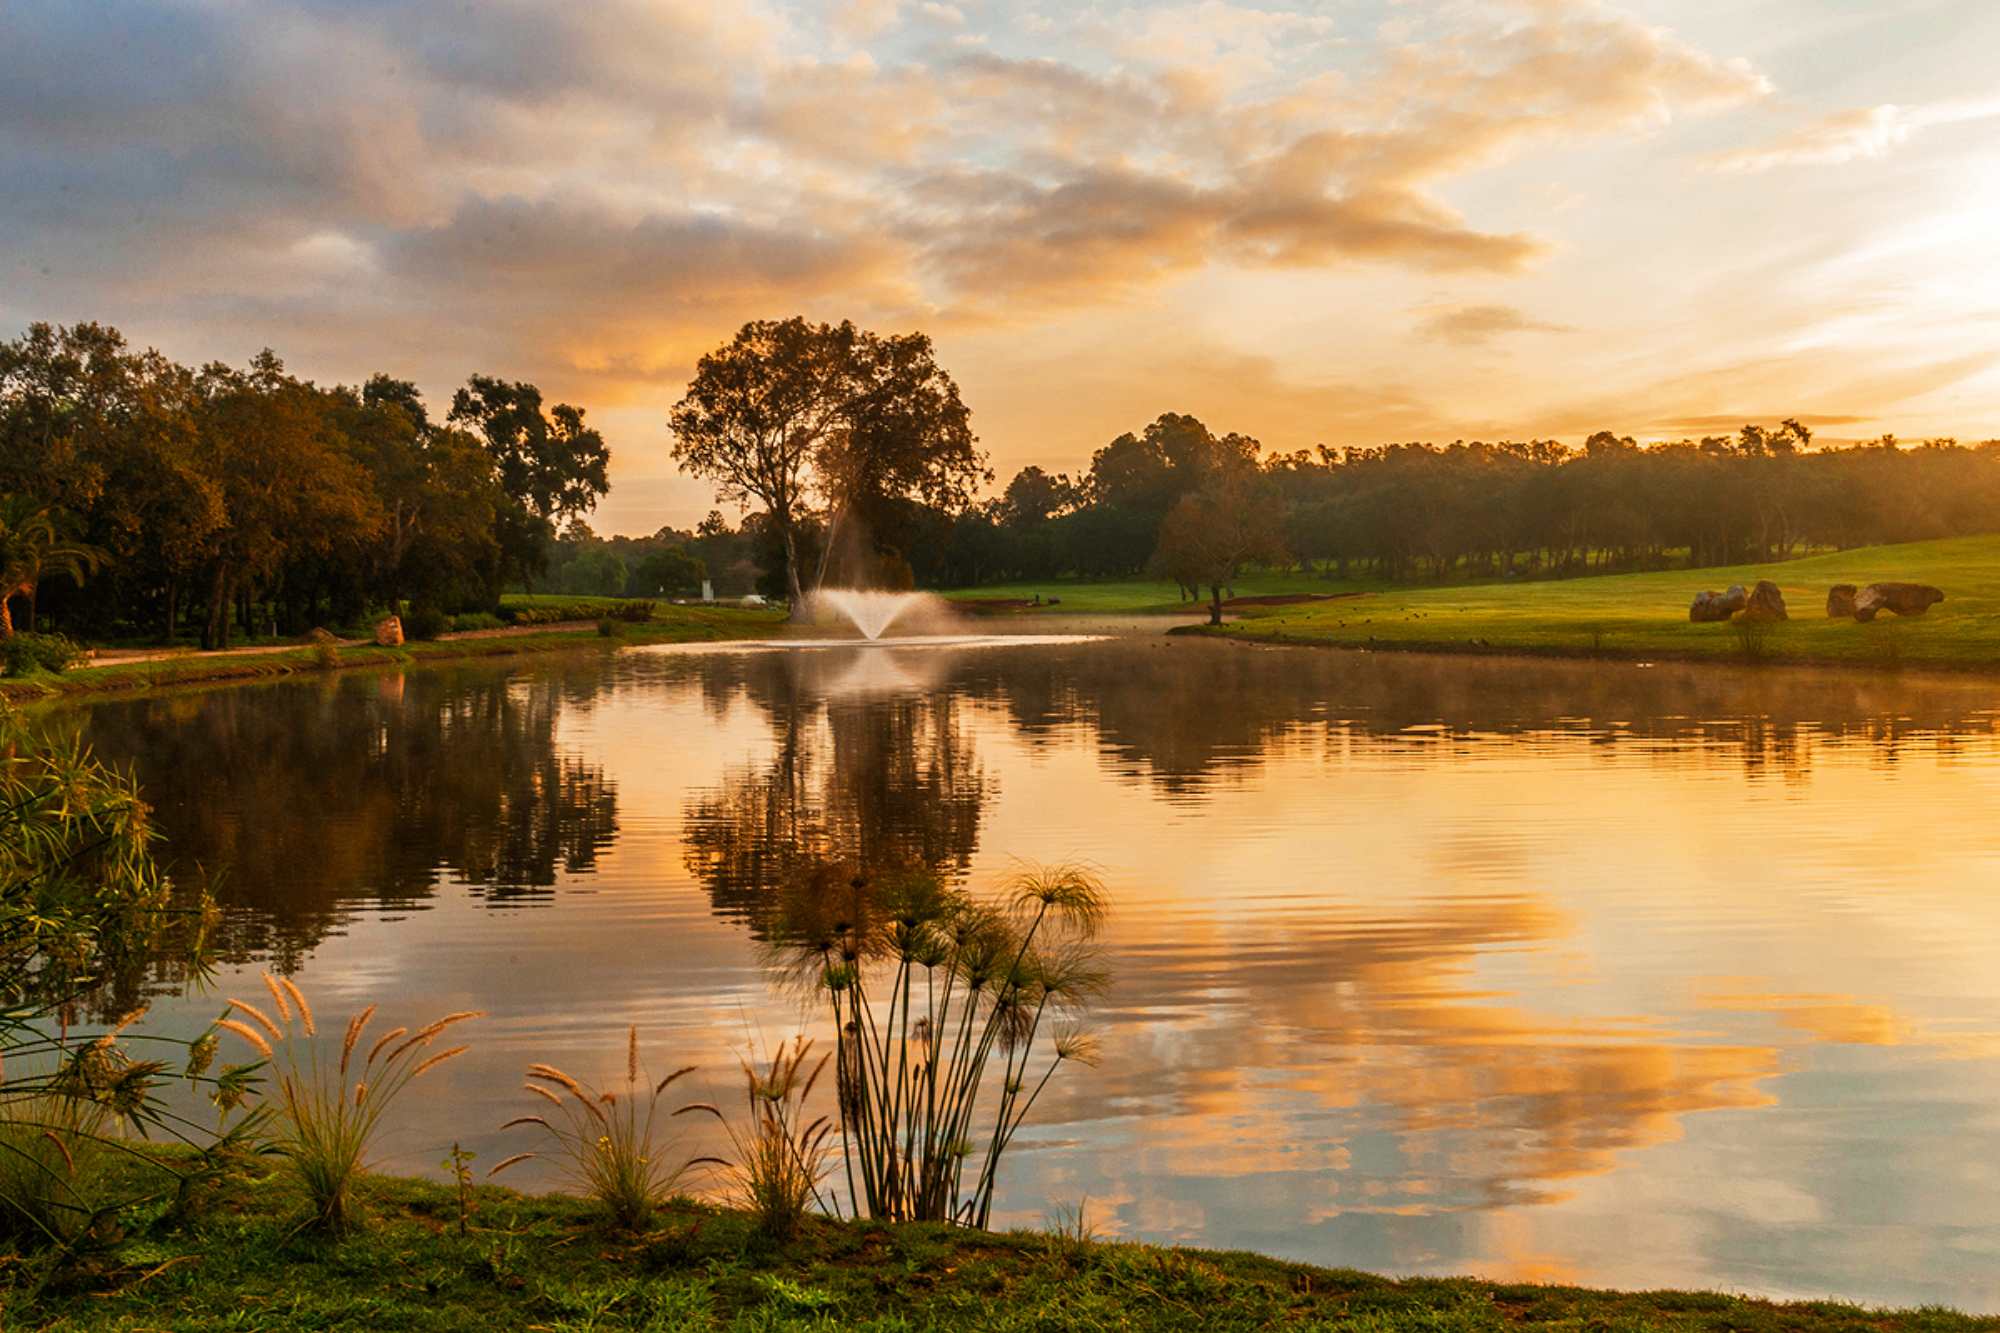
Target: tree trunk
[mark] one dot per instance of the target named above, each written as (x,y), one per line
(7,616)
(216,633)
(1215,603)
(795,596)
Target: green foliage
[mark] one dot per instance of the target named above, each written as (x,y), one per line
(328,1112)
(608,628)
(23,654)
(612,1143)
(52,1151)
(670,571)
(474,620)
(84,910)
(929,990)
(425,622)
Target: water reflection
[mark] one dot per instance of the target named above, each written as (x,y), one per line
(1637,976)
(868,768)
(302,803)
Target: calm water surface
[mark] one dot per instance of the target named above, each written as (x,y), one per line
(1605,974)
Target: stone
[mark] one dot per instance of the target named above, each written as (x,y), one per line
(1840,601)
(1713,606)
(1765,603)
(389,632)
(1905,599)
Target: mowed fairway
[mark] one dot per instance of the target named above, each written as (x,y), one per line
(1643,615)
(1137,595)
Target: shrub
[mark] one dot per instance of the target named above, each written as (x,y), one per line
(609,1141)
(470,620)
(609,628)
(425,622)
(634,609)
(779,1155)
(24,653)
(328,1112)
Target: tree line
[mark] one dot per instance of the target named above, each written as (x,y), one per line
(243,498)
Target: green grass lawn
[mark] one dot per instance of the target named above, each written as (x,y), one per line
(543,1263)
(1645,615)
(1112,596)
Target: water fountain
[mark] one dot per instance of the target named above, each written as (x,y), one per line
(870,611)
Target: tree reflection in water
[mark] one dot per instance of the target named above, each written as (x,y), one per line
(303,802)
(871,768)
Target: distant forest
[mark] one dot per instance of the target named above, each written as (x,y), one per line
(143,498)
(1422,511)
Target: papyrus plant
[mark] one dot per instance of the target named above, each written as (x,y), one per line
(951,1013)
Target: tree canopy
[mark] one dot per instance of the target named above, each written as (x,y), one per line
(790,414)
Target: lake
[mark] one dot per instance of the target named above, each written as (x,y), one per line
(1581,972)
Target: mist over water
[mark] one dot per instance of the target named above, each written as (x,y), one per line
(1579,972)
(873,613)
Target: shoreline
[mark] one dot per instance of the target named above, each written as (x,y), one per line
(516,1260)
(1774,661)
(85,682)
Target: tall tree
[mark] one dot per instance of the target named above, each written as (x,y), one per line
(1214,531)
(291,487)
(790,412)
(552,467)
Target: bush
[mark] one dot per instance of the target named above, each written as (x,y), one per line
(23,653)
(469,620)
(609,628)
(425,622)
(636,609)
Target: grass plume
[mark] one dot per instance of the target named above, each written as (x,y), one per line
(613,1144)
(329,1110)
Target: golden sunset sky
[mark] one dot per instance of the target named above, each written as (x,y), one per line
(1343,223)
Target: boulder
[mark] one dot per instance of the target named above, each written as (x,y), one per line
(1712,606)
(1765,603)
(1840,601)
(389,632)
(1905,599)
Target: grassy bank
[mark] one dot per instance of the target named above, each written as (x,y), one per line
(670,624)
(1146,596)
(543,1263)
(1645,615)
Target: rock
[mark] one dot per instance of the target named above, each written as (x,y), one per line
(1905,599)
(1766,603)
(1711,606)
(389,632)
(1840,601)
(322,635)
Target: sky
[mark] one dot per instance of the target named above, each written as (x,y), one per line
(1339,223)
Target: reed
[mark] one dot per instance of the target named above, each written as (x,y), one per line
(613,1144)
(951,1016)
(329,1108)
(780,1152)
(52,1148)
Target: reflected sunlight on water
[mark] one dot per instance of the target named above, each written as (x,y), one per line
(1564,971)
